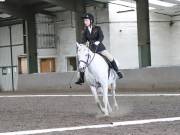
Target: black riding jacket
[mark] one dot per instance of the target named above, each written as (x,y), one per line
(95,35)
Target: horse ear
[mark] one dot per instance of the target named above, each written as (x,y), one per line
(77,45)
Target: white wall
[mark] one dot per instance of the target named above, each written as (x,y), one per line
(123,36)
(124,44)
(160,40)
(175,43)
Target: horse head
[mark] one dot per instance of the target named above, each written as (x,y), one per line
(83,54)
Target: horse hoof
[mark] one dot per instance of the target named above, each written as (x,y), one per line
(106,115)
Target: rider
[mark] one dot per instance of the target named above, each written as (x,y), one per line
(94,35)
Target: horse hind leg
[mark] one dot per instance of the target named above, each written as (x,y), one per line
(116,107)
(105,100)
(100,90)
(109,107)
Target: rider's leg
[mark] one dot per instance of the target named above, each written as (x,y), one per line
(113,63)
(81,78)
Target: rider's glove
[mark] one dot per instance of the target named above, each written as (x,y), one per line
(97,43)
(87,44)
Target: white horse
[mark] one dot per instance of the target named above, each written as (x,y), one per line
(96,74)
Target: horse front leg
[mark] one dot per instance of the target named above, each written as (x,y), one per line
(94,92)
(108,104)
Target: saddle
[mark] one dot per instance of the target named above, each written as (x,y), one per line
(108,63)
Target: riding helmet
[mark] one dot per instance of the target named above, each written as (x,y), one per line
(88,16)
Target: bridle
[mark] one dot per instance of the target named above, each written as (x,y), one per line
(87,63)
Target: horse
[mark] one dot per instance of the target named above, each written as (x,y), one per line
(98,77)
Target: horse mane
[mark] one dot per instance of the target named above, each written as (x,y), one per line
(84,45)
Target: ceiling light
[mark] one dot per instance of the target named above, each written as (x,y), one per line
(151,8)
(124,3)
(123,11)
(4,15)
(128,4)
(161,3)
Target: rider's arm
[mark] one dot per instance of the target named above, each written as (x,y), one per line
(101,36)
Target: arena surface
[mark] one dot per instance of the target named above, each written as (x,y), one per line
(60,114)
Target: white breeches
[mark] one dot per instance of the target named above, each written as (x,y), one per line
(107,55)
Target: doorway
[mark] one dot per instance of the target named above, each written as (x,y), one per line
(47,65)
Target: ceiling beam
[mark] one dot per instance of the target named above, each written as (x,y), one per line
(40,6)
(24,12)
(68,4)
(13,10)
(10,22)
(47,13)
(20,3)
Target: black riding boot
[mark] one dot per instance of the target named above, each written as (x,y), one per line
(115,67)
(81,79)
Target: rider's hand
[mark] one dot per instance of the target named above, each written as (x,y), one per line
(87,44)
(97,43)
